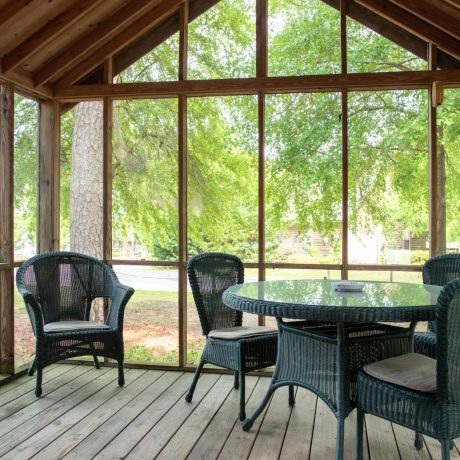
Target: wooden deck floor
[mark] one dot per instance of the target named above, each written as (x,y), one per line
(83,414)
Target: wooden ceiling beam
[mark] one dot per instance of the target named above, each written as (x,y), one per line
(408,21)
(45,34)
(25,81)
(85,44)
(148,20)
(12,9)
(439,14)
(235,86)
(148,41)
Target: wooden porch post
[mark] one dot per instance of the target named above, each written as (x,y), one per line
(107,165)
(432,160)
(182,180)
(6,228)
(49,177)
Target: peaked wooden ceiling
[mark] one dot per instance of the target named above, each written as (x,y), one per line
(49,45)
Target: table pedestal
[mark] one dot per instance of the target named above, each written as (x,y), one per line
(325,357)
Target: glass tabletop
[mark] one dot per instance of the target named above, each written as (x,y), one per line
(320,299)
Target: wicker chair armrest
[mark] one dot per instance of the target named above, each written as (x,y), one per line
(34,309)
(119,298)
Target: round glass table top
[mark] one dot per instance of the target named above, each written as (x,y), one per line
(318,299)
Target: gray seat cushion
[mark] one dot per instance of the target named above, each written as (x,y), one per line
(68,326)
(240,332)
(412,370)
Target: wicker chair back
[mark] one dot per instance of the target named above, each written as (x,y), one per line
(439,271)
(65,284)
(210,274)
(448,343)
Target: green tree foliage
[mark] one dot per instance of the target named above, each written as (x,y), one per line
(449,140)
(387,137)
(25,174)
(388,166)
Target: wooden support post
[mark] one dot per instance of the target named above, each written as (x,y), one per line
(107,165)
(48,177)
(262,71)
(344,184)
(107,174)
(433,160)
(343,35)
(344,118)
(6,228)
(182,179)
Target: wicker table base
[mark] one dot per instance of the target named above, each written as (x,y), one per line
(325,358)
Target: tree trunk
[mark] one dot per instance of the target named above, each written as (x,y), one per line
(86,188)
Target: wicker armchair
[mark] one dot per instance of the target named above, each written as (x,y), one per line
(429,401)
(228,343)
(58,290)
(439,271)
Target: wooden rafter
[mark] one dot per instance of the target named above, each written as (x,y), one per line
(391,31)
(412,23)
(91,40)
(45,34)
(148,20)
(439,14)
(156,35)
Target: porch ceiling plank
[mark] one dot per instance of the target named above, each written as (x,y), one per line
(383,80)
(129,34)
(439,14)
(412,23)
(48,32)
(87,43)
(12,9)
(156,35)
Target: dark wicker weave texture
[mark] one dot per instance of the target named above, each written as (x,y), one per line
(62,286)
(438,271)
(438,414)
(210,274)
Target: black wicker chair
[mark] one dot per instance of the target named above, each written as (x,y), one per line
(58,290)
(439,271)
(430,404)
(228,344)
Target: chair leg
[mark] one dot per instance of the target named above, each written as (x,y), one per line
(121,375)
(242,396)
(38,385)
(93,352)
(191,390)
(237,380)
(31,369)
(445,449)
(418,442)
(359,434)
(291,396)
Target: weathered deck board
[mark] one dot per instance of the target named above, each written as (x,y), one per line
(107,431)
(89,423)
(216,434)
(84,414)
